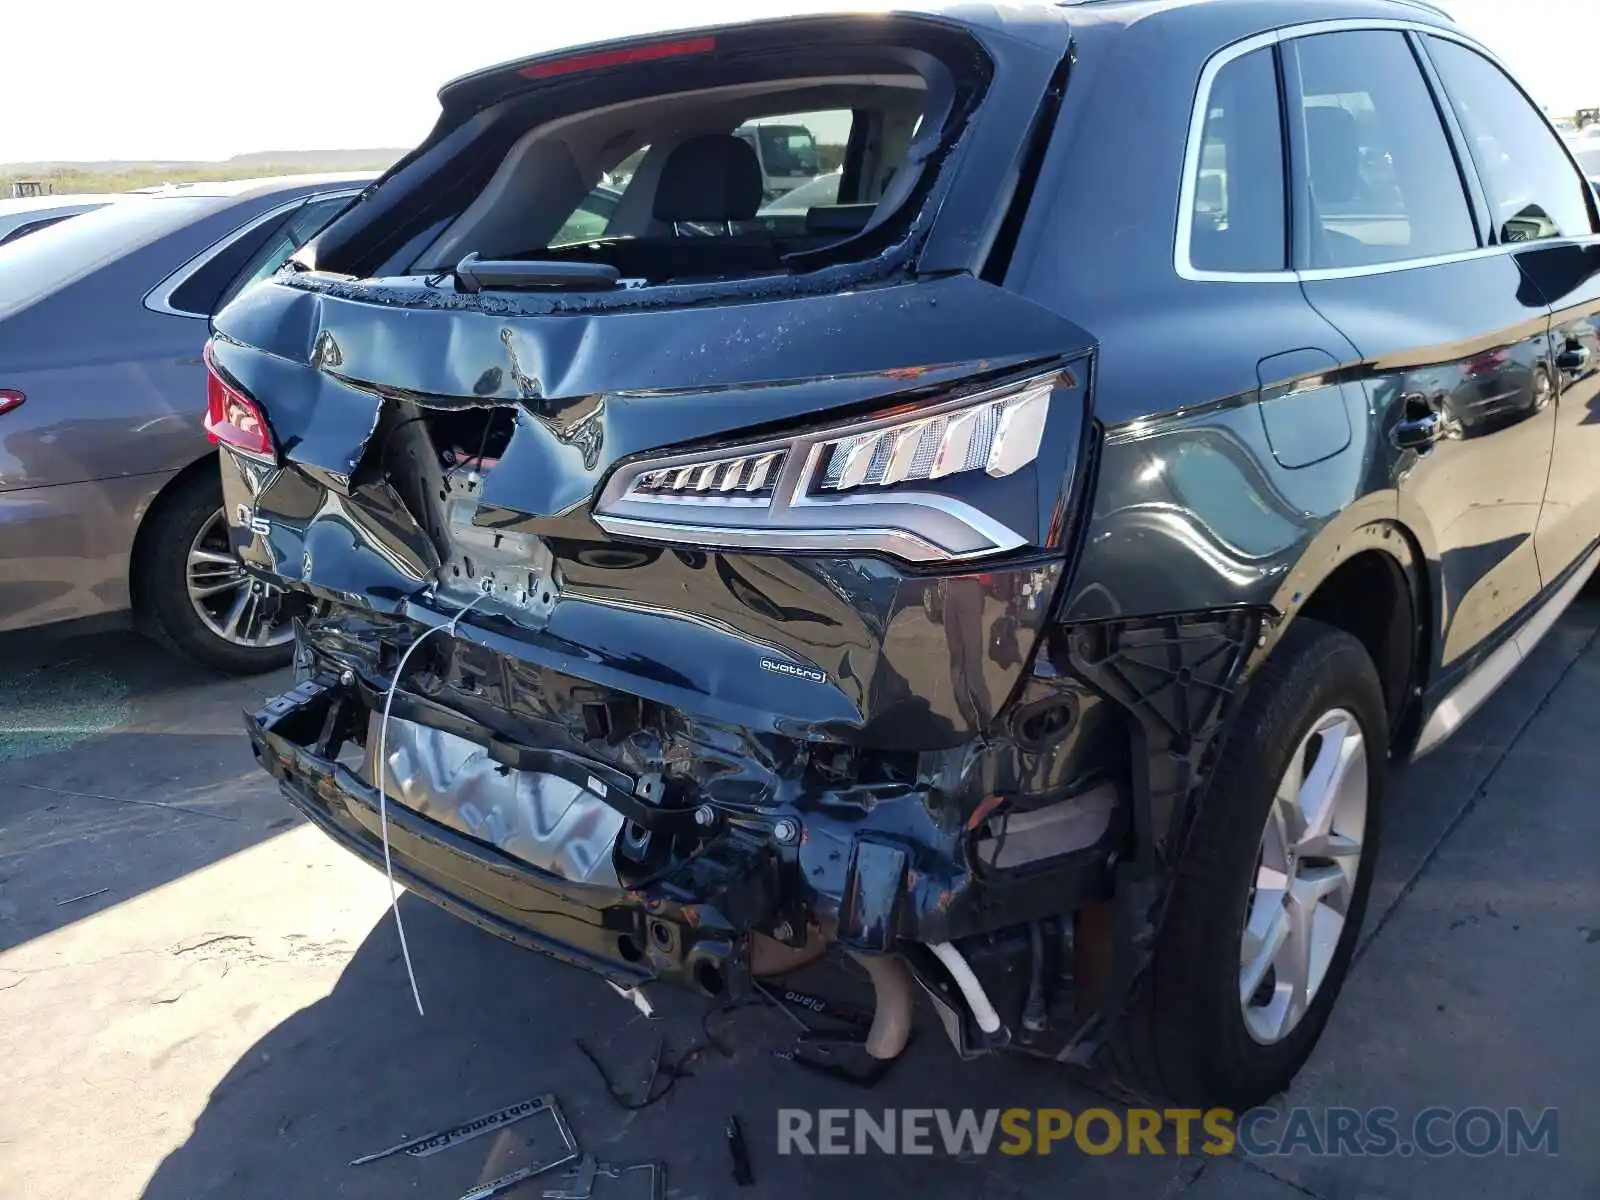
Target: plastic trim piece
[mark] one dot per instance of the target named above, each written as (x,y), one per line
(1452,712)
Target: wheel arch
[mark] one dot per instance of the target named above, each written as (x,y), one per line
(138,556)
(1370,580)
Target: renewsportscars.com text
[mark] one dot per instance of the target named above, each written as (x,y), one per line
(1258,1133)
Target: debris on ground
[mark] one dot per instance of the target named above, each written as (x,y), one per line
(663,1070)
(742,1174)
(838,1053)
(551,1144)
(85,896)
(432,1143)
(793,999)
(636,997)
(591,1180)
(836,1048)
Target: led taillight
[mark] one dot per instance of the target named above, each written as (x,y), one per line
(10,398)
(232,418)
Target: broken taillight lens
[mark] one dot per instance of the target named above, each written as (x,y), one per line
(232,418)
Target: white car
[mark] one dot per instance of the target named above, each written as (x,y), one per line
(822,190)
(787,153)
(29,214)
(1587,152)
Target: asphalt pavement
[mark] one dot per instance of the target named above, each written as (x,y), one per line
(201,997)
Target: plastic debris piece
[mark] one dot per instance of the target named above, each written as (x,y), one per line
(636,997)
(841,1056)
(663,1069)
(742,1174)
(591,1180)
(553,1146)
(432,1143)
(85,896)
(796,1001)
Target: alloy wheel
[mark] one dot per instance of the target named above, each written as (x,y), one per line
(233,605)
(1306,872)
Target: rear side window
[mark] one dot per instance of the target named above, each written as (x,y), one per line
(289,237)
(1237,220)
(1534,191)
(1379,182)
(590,220)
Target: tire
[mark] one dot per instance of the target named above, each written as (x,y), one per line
(162,600)
(1187,1036)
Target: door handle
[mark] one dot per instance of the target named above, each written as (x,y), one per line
(1419,433)
(1573,358)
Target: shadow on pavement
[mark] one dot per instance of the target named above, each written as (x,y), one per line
(359,1071)
(122,768)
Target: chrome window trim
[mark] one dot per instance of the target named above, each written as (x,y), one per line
(1191,168)
(159,298)
(1181,263)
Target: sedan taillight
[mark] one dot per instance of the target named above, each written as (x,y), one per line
(10,398)
(232,418)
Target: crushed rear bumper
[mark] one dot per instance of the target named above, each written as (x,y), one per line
(869,863)
(710,881)
(626,935)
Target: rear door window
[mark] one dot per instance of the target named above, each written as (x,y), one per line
(1378,181)
(1237,220)
(1532,186)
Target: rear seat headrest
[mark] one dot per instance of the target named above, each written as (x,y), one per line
(712,177)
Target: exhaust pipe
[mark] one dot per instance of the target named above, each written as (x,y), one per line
(891,1014)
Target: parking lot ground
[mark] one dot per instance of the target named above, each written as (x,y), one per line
(229,1016)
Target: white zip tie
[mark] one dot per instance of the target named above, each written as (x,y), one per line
(383,790)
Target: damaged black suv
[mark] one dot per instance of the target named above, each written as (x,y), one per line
(1009,554)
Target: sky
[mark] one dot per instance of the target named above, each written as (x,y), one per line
(181,79)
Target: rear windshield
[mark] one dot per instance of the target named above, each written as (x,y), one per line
(709,169)
(33,267)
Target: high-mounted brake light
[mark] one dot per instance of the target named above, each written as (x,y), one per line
(232,418)
(618,57)
(10,398)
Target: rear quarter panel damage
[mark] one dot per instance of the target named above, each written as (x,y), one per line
(888,657)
